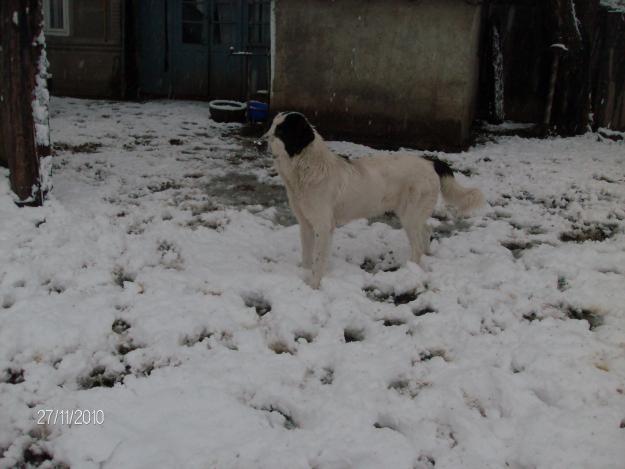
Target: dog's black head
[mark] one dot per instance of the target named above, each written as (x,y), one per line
(295,132)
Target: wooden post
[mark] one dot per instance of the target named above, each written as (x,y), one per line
(24,137)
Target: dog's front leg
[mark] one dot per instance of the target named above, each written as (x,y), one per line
(307,237)
(322,232)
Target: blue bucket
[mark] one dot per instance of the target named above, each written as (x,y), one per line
(257,111)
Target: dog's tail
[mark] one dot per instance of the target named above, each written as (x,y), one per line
(464,199)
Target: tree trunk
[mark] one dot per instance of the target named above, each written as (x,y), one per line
(547,67)
(608,65)
(522,49)
(24,137)
(574,20)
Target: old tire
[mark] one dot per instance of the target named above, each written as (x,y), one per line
(227,111)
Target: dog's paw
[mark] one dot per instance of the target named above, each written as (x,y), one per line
(418,268)
(314,283)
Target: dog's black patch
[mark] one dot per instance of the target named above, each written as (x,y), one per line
(442,168)
(295,132)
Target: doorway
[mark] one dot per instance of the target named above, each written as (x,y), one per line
(206,49)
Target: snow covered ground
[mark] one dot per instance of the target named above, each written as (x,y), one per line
(160,284)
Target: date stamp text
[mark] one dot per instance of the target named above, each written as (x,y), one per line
(70,417)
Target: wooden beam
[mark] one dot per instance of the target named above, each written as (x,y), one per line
(24,135)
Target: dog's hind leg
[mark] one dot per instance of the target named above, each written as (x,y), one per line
(416,234)
(413,218)
(425,238)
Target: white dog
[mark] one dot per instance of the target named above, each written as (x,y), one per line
(325,190)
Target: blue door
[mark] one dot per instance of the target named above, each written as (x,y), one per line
(203,48)
(256,37)
(190,48)
(240,48)
(153,61)
(226,73)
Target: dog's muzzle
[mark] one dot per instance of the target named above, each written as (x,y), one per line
(262,142)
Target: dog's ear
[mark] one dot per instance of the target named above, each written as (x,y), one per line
(295,132)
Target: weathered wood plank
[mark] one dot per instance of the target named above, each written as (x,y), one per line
(21,39)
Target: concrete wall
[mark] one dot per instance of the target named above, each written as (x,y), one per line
(393,71)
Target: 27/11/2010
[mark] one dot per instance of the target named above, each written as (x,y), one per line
(70,417)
